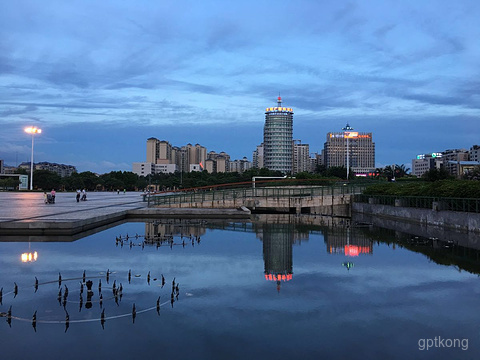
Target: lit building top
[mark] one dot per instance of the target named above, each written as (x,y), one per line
(279,107)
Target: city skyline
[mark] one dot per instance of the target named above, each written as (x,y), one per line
(102,78)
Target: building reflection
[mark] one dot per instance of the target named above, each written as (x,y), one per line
(278,252)
(174,227)
(347,241)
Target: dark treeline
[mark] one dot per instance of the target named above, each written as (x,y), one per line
(120,180)
(126,180)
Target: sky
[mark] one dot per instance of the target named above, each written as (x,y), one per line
(101,77)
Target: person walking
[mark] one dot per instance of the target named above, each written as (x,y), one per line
(53,193)
(78,195)
(45,197)
(84,195)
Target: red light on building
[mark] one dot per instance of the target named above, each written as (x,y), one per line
(353,250)
(278,277)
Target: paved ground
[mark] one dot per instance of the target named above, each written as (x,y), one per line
(21,207)
(25,213)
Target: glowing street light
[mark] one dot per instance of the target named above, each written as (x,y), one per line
(32,130)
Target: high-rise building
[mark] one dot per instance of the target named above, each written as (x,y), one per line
(159,151)
(217,162)
(301,157)
(162,152)
(277,138)
(258,157)
(350,147)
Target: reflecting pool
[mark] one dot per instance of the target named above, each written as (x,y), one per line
(279,287)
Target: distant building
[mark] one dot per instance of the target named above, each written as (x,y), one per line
(143,168)
(361,151)
(301,157)
(451,159)
(148,168)
(217,162)
(474,153)
(60,169)
(460,168)
(456,162)
(277,138)
(316,160)
(240,165)
(258,157)
(195,167)
(425,162)
(162,152)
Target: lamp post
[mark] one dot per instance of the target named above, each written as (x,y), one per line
(32,130)
(347,134)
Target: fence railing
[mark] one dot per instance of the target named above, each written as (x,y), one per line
(423,202)
(248,193)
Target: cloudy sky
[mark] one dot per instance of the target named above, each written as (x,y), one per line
(100,77)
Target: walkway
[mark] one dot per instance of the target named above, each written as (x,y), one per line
(25,213)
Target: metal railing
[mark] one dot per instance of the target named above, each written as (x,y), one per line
(423,202)
(248,193)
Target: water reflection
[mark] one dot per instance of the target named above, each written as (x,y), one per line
(277,251)
(341,282)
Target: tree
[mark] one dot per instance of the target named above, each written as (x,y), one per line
(9,183)
(337,171)
(437,174)
(46,180)
(401,170)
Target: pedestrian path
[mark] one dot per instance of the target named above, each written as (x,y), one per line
(25,213)
(22,211)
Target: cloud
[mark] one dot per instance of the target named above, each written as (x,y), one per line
(16,111)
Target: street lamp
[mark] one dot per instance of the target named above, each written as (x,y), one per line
(348,134)
(32,130)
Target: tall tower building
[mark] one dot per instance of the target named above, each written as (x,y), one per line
(278,138)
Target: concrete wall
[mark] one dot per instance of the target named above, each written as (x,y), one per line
(338,205)
(455,220)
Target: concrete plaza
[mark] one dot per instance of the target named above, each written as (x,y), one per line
(25,213)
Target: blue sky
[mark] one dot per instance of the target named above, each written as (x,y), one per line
(101,77)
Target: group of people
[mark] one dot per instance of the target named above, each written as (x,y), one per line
(81,195)
(49,198)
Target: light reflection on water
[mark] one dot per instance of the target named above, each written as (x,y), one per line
(277,287)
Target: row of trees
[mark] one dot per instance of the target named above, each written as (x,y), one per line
(119,180)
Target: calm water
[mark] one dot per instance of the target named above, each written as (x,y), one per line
(277,288)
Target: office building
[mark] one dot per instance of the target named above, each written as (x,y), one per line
(425,162)
(277,138)
(356,149)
